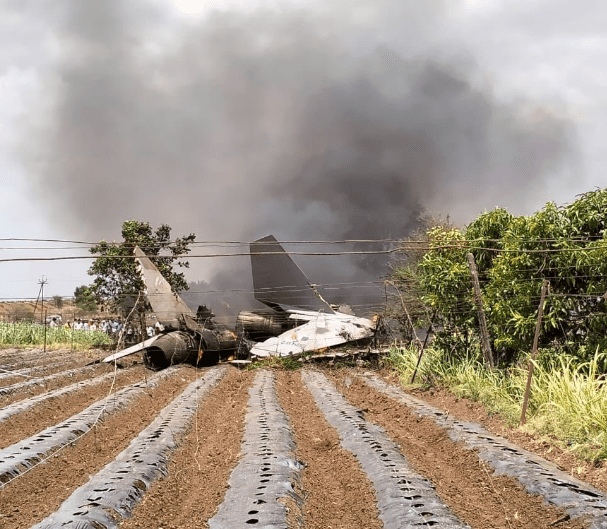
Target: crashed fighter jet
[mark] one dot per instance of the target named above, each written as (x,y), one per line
(307,321)
(186,337)
(299,319)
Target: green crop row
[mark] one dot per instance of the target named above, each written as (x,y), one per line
(32,334)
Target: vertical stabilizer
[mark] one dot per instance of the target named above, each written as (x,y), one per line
(278,281)
(167,305)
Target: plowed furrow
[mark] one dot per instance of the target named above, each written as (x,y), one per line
(12,377)
(12,357)
(37,357)
(199,471)
(404,498)
(46,381)
(262,486)
(52,384)
(111,494)
(29,416)
(36,494)
(535,474)
(20,456)
(27,404)
(338,493)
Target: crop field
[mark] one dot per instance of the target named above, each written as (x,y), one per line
(103,446)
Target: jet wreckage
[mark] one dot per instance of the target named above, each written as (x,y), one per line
(298,318)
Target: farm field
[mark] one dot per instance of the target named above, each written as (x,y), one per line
(105,446)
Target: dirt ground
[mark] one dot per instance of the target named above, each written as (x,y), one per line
(36,494)
(464,482)
(337,493)
(473,411)
(58,409)
(198,475)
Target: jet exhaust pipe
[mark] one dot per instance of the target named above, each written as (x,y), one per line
(257,324)
(169,349)
(199,349)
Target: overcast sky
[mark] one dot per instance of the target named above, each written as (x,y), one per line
(233,121)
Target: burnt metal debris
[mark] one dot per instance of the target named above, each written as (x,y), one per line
(298,320)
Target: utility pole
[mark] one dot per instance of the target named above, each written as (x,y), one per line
(42,282)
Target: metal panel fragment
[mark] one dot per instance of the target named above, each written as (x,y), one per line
(167,306)
(278,281)
(319,332)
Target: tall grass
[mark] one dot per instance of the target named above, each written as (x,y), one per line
(568,400)
(32,334)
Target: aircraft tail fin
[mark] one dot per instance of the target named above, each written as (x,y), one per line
(278,281)
(167,305)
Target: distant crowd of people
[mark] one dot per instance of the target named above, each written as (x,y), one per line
(112,327)
(108,326)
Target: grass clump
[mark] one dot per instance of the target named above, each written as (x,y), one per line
(288,363)
(27,334)
(568,399)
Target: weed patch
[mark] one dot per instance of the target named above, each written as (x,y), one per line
(568,400)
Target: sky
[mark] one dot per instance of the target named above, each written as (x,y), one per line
(306,119)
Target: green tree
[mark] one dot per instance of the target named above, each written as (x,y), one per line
(406,303)
(84,298)
(117,279)
(515,254)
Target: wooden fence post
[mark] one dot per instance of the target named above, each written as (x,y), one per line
(481,313)
(421,353)
(402,301)
(538,326)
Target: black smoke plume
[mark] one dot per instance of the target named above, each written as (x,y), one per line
(311,124)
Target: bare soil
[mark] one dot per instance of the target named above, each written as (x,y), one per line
(465,484)
(546,447)
(199,472)
(34,495)
(338,494)
(56,410)
(55,383)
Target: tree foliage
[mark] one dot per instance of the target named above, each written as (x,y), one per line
(117,279)
(84,298)
(405,302)
(515,254)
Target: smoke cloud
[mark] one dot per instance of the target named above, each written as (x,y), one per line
(309,123)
